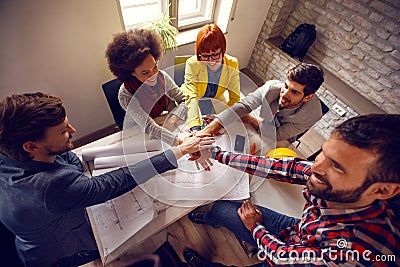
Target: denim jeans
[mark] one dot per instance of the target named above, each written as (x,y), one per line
(224,213)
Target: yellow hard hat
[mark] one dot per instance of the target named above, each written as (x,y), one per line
(281,152)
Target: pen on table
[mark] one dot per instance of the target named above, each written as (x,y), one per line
(253,149)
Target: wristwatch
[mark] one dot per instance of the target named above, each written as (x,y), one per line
(215,151)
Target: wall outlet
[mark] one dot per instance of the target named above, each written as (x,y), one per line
(339,110)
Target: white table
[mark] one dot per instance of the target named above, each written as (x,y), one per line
(163,219)
(171,214)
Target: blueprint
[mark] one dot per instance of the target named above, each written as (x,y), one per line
(188,183)
(120,218)
(117,220)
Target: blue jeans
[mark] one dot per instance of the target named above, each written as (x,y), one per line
(224,213)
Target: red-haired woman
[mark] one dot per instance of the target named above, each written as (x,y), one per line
(209,73)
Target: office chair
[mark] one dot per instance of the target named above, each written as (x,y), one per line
(324,109)
(110,90)
(179,69)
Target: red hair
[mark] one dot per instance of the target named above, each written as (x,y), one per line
(210,38)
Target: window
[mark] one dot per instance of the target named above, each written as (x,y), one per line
(192,13)
(136,12)
(186,13)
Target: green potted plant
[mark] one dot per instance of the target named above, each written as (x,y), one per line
(163,26)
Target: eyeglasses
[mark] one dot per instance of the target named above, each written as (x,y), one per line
(214,56)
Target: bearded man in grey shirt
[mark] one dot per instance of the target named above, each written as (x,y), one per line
(286,108)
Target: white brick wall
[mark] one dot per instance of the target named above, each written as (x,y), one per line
(357,40)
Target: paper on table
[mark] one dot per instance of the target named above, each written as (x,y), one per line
(121,148)
(102,171)
(221,182)
(241,189)
(121,160)
(188,183)
(117,220)
(120,218)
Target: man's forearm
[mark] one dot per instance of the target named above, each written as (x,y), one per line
(213,127)
(248,118)
(177,152)
(147,168)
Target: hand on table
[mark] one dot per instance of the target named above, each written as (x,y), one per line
(249,214)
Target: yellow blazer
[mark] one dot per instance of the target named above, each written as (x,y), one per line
(196,81)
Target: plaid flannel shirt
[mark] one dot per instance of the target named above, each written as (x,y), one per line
(367,236)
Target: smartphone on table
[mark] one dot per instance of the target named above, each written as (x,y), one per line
(239,143)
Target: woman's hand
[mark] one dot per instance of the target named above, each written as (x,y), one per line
(170,123)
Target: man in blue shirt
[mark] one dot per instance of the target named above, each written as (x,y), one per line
(43,191)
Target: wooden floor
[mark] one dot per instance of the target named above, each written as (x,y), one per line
(216,244)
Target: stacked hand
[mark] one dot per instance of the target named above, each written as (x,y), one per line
(193,143)
(208,118)
(199,157)
(202,157)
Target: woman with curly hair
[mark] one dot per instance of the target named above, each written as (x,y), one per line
(209,73)
(133,58)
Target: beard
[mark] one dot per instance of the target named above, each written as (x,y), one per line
(67,147)
(341,196)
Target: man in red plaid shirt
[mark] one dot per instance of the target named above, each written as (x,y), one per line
(350,191)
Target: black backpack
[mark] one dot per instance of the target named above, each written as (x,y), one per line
(298,42)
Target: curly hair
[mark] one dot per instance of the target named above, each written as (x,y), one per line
(129,49)
(307,74)
(26,118)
